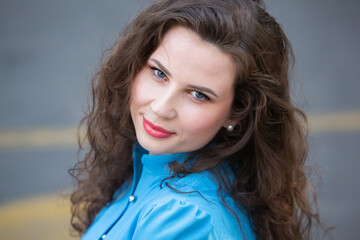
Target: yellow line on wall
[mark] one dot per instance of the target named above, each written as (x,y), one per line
(42,217)
(66,136)
(39,138)
(335,122)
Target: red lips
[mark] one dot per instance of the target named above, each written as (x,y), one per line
(156,131)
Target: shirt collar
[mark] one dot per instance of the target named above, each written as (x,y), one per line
(156,164)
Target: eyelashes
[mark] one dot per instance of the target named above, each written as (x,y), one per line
(199,96)
(158,73)
(195,94)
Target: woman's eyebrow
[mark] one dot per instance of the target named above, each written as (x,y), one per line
(161,66)
(204,89)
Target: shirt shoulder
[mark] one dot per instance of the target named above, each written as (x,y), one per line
(175,216)
(229,221)
(173,219)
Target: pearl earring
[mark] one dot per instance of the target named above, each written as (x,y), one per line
(230,128)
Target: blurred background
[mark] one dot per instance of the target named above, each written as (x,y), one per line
(49,51)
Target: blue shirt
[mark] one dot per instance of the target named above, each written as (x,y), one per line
(144,211)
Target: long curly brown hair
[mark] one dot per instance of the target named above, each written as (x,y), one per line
(267,148)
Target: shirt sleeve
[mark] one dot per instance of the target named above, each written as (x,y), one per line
(174,219)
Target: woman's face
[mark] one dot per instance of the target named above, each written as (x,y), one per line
(183,95)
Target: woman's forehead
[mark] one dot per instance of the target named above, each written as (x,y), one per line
(185,54)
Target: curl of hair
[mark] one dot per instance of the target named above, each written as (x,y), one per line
(267,148)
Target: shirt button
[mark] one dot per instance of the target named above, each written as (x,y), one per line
(103,236)
(132,198)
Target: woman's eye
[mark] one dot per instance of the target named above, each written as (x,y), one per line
(199,96)
(158,73)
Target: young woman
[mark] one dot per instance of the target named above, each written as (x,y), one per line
(192,133)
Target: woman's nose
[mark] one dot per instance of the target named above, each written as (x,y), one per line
(164,104)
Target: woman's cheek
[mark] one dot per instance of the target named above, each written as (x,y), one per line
(203,118)
(144,89)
